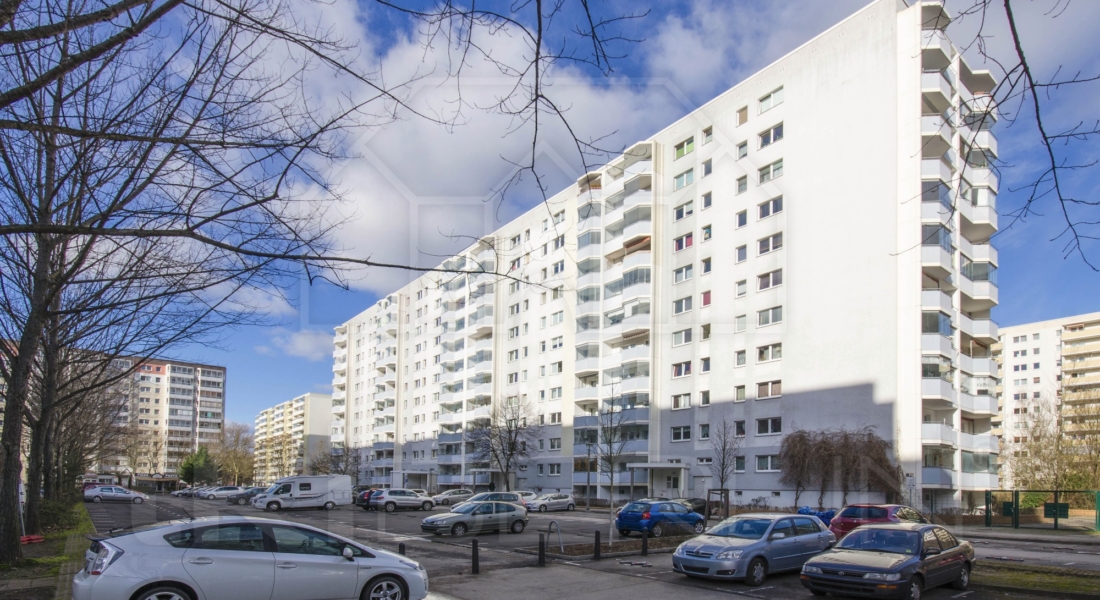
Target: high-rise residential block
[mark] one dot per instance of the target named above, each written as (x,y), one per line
(808,251)
(290,434)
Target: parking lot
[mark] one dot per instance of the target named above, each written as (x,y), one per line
(448,559)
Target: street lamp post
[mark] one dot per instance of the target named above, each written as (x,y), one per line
(588,479)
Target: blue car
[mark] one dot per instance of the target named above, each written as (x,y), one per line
(658,518)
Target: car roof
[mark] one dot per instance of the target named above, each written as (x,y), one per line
(874,505)
(898,526)
(768,515)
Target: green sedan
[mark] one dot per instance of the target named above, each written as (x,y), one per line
(477,516)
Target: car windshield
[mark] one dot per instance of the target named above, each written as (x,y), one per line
(748,528)
(465,509)
(545,497)
(863,512)
(882,540)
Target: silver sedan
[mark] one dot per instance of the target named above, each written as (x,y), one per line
(547,502)
(242,558)
(113,493)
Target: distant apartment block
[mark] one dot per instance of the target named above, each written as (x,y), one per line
(289,434)
(810,250)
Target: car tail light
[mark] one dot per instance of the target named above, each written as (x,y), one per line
(105,557)
(645,515)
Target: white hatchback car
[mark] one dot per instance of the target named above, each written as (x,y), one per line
(242,558)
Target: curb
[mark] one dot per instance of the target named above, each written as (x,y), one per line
(1013,591)
(589,557)
(1086,540)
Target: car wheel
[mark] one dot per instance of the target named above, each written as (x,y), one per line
(963,581)
(657,531)
(913,589)
(390,507)
(164,592)
(242,501)
(330,505)
(756,573)
(458,530)
(426,506)
(700,527)
(273,506)
(624,532)
(542,508)
(446,502)
(97,499)
(517,527)
(384,588)
(138,500)
(570,507)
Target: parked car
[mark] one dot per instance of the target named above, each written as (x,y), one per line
(362,499)
(526,497)
(452,497)
(113,493)
(891,560)
(306,491)
(392,499)
(477,516)
(751,546)
(245,496)
(657,518)
(696,505)
(236,557)
(193,492)
(178,492)
(547,502)
(511,497)
(855,515)
(223,491)
(420,492)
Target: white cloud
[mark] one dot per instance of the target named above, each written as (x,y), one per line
(310,344)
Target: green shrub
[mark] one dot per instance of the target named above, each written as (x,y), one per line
(58,514)
(1032,499)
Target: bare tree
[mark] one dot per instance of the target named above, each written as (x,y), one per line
(506,440)
(796,455)
(611,443)
(233,453)
(853,459)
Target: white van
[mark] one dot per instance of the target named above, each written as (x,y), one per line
(306,491)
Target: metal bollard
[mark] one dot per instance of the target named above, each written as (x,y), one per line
(476,567)
(401,548)
(645,544)
(542,550)
(596,554)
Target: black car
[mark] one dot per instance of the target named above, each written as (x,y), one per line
(891,560)
(244,497)
(362,499)
(696,505)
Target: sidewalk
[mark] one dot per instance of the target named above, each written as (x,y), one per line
(1049,536)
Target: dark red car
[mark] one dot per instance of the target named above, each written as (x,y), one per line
(855,515)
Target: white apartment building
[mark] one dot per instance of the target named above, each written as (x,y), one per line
(288,435)
(1050,373)
(809,250)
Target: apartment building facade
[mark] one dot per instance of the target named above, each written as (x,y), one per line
(757,263)
(290,434)
(1050,381)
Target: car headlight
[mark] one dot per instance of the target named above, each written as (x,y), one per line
(883,576)
(411,565)
(105,557)
(729,554)
(809,569)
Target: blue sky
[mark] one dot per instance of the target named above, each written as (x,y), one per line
(419,187)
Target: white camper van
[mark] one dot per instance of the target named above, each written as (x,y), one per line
(306,491)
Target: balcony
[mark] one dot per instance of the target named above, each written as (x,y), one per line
(1081,380)
(446,438)
(934,343)
(936,133)
(982,177)
(977,295)
(593,307)
(636,231)
(936,50)
(937,90)
(978,405)
(979,481)
(979,442)
(384,428)
(382,462)
(588,280)
(983,330)
(936,261)
(449,459)
(586,366)
(936,300)
(339,409)
(940,478)
(979,366)
(936,168)
(979,252)
(626,386)
(642,258)
(448,417)
(586,394)
(936,212)
(382,445)
(985,140)
(479,412)
(938,434)
(1073,366)
(1079,348)
(936,387)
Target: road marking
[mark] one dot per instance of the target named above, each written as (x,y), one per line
(962,595)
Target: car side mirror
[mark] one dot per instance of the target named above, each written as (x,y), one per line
(778,536)
(931,551)
(348,553)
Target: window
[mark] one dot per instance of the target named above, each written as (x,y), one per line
(742,150)
(555,294)
(769,316)
(679,338)
(556,343)
(513,332)
(742,115)
(681,434)
(771,136)
(515,242)
(739,396)
(684,210)
(557,317)
(771,100)
(769,352)
(681,369)
(772,171)
(559,218)
(770,280)
(742,184)
(555,368)
(706,200)
(684,241)
(770,243)
(514,286)
(681,306)
(704,431)
(513,355)
(742,288)
(771,207)
(680,401)
(706,266)
(706,331)
(558,267)
(742,219)
(742,253)
(770,426)
(706,232)
(242,537)
(708,135)
(541,469)
(681,274)
(704,398)
(704,365)
(740,323)
(555,468)
(683,179)
(739,358)
(555,394)
(705,460)
(555,444)
(513,309)
(292,540)
(513,378)
(769,389)
(555,418)
(706,298)
(768,463)
(708,167)
(685,147)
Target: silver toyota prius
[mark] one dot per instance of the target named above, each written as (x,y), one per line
(242,558)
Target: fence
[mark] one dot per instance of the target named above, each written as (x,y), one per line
(1077,510)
